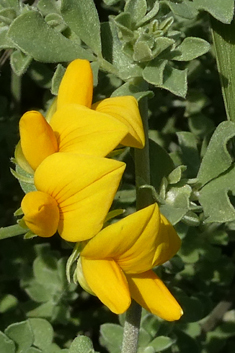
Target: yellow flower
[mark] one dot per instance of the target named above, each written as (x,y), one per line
(117,263)
(79,127)
(74,194)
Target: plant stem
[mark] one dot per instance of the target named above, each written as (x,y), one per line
(131,328)
(143,199)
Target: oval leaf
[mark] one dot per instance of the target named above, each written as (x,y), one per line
(30,33)
(191,48)
(217,158)
(82,18)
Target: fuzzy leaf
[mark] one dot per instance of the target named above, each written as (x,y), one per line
(131,89)
(82,18)
(6,345)
(185,9)
(214,198)
(11,231)
(47,7)
(43,332)
(111,337)
(222,10)
(161,343)
(154,71)
(22,334)
(137,9)
(217,158)
(19,62)
(5,42)
(112,47)
(175,81)
(81,344)
(56,79)
(191,48)
(30,33)
(162,75)
(152,13)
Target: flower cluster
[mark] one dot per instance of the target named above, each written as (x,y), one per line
(75,183)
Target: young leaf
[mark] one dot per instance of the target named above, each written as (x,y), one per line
(191,48)
(137,9)
(19,62)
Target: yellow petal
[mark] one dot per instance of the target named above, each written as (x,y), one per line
(168,242)
(131,241)
(126,110)
(152,294)
(84,131)
(37,138)
(84,188)
(41,213)
(107,281)
(76,85)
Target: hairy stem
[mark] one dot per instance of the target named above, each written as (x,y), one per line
(131,328)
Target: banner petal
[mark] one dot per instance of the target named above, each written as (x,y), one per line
(76,85)
(84,131)
(84,188)
(130,241)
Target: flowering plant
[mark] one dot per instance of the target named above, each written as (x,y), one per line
(124,153)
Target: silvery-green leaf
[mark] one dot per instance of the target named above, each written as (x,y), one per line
(30,33)
(222,10)
(82,17)
(190,48)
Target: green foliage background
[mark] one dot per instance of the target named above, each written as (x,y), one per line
(155,50)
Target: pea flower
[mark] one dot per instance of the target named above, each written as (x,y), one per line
(117,263)
(73,195)
(77,126)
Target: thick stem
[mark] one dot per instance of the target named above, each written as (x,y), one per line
(143,199)
(131,328)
